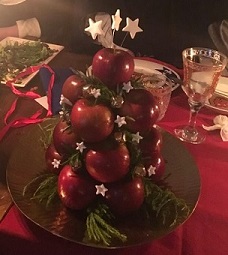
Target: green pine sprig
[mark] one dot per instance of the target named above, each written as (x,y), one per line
(99,228)
(43,188)
(166,206)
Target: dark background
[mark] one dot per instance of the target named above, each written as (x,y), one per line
(168,26)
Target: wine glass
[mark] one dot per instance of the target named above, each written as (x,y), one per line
(202,68)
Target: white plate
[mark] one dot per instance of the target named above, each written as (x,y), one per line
(219,101)
(24,81)
(149,67)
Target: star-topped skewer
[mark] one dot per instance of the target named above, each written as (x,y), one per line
(94,28)
(116,20)
(132,27)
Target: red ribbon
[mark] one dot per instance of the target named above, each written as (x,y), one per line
(35,118)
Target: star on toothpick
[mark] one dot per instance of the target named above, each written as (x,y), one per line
(136,137)
(94,28)
(101,189)
(120,121)
(151,170)
(127,86)
(80,147)
(56,163)
(95,92)
(116,20)
(132,27)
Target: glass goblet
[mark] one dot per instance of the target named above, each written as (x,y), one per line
(202,68)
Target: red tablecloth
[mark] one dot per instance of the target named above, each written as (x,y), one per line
(206,232)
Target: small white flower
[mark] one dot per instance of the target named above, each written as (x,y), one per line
(95,92)
(127,86)
(101,189)
(151,170)
(120,121)
(56,163)
(80,147)
(136,137)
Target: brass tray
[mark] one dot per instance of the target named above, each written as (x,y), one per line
(27,161)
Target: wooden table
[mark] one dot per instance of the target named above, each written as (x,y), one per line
(63,60)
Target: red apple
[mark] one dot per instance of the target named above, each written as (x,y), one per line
(108,163)
(72,88)
(52,154)
(125,197)
(92,122)
(64,138)
(75,191)
(141,108)
(152,141)
(113,66)
(157,161)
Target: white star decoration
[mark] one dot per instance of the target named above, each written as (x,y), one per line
(80,147)
(127,86)
(116,20)
(95,92)
(120,121)
(61,113)
(101,189)
(151,170)
(136,137)
(132,27)
(56,163)
(94,28)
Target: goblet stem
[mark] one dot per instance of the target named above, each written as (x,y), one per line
(194,109)
(189,133)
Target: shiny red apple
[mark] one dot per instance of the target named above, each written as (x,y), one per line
(51,154)
(125,197)
(72,88)
(140,110)
(152,141)
(75,191)
(108,162)
(64,138)
(155,166)
(92,122)
(113,66)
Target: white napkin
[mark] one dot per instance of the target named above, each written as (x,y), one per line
(220,122)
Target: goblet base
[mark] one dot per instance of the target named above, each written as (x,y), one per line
(189,134)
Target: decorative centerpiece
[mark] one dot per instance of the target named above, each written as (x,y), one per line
(104,157)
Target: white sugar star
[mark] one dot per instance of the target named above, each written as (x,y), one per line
(95,92)
(132,27)
(136,137)
(151,170)
(56,163)
(116,20)
(101,189)
(80,147)
(127,86)
(94,28)
(61,113)
(120,121)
